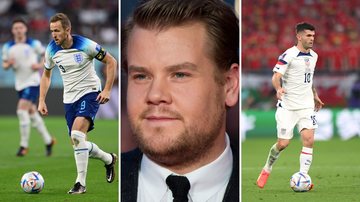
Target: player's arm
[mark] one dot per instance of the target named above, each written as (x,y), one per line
(110,65)
(276,82)
(318,103)
(44,87)
(39,65)
(8,63)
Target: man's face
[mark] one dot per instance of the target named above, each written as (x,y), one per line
(175,106)
(58,33)
(19,30)
(306,38)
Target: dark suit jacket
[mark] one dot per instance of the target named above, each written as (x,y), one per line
(130,165)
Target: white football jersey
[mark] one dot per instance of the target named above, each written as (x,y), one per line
(76,65)
(25,55)
(297,69)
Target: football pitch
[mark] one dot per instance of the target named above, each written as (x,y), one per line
(335,171)
(59,170)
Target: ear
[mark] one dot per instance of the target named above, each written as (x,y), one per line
(298,36)
(232,85)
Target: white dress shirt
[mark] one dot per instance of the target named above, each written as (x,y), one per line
(208,183)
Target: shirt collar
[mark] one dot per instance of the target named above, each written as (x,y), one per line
(220,169)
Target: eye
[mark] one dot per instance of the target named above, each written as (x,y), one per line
(180,75)
(139,77)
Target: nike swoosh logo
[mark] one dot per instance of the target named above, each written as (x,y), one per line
(57,62)
(81,111)
(277,67)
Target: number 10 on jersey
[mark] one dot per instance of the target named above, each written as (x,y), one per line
(307,77)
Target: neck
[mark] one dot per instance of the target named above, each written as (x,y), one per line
(20,39)
(302,49)
(68,42)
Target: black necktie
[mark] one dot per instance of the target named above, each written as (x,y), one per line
(179,186)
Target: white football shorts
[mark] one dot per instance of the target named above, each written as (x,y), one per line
(287,119)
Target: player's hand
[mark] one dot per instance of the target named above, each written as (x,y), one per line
(36,66)
(42,108)
(9,63)
(318,103)
(279,93)
(103,97)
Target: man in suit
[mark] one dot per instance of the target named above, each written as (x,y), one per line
(182,62)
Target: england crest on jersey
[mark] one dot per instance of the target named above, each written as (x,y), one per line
(78,58)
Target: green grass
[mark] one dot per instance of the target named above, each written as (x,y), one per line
(59,171)
(334,171)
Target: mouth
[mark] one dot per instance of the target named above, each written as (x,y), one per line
(160,118)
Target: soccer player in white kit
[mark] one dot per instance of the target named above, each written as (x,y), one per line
(23,55)
(74,56)
(297,99)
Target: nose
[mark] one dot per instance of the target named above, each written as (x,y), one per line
(158,92)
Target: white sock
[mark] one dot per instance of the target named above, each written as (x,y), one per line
(81,153)
(24,122)
(305,159)
(97,153)
(273,155)
(39,124)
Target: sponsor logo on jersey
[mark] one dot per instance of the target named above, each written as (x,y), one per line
(78,58)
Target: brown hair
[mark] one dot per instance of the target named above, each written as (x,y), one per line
(19,20)
(220,21)
(63,18)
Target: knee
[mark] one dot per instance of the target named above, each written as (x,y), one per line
(308,141)
(78,138)
(23,116)
(282,144)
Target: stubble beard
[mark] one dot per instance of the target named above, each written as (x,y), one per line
(191,145)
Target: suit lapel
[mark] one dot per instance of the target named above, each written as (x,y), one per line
(130,165)
(232,189)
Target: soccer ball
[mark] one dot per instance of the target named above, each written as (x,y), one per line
(32,182)
(300,182)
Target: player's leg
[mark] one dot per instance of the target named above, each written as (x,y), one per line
(306,155)
(81,153)
(274,153)
(38,123)
(24,125)
(108,158)
(306,126)
(285,123)
(88,108)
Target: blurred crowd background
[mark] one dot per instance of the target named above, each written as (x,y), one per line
(96,20)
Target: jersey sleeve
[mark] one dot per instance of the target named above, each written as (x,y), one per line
(5,52)
(95,50)
(49,62)
(283,63)
(39,48)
